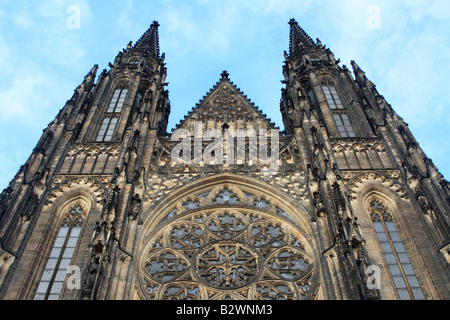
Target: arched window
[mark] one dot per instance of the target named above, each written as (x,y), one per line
(343,124)
(339,113)
(312,96)
(332,96)
(107,129)
(400,266)
(109,123)
(118,100)
(54,276)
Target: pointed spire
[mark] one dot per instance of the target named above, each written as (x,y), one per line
(299,39)
(92,73)
(357,70)
(150,39)
(360,75)
(89,80)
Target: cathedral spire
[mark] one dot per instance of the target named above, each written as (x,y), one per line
(89,79)
(360,75)
(150,39)
(299,39)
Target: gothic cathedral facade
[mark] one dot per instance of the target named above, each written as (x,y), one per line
(102,210)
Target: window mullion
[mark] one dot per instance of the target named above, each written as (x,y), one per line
(58,263)
(111,128)
(103,129)
(345,125)
(394,250)
(332,92)
(118,102)
(107,129)
(112,123)
(115,105)
(121,100)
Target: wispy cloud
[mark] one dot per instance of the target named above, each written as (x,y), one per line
(19,100)
(42,61)
(207,30)
(37,57)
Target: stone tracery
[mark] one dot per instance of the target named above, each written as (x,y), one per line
(226,250)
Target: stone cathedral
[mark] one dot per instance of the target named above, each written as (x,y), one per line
(101,210)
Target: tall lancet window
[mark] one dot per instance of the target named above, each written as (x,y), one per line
(109,123)
(332,96)
(107,129)
(118,100)
(53,279)
(344,126)
(400,266)
(339,112)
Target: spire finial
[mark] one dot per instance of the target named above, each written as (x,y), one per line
(150,39)
(225,75)
(293,22)
(299,39)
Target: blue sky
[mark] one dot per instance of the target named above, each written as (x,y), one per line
(42,60)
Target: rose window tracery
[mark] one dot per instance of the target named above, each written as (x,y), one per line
(227,265)
(226,196)
(227,253)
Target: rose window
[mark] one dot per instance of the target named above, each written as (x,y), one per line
(227,254)
(227,265)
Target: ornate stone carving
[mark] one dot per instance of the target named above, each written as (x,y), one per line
(445,251)
(424,204)
(135,207)
(93,149)
(61,184)
(359,145)
(390,179)
(29,206)
(227,254)
(223,195)
(6,260)
(227,265)
(160,185)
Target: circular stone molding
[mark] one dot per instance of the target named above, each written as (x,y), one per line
(227,265)
(227,253)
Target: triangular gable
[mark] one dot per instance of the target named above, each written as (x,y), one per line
(225,105)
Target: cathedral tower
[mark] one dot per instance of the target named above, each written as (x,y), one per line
(342,204)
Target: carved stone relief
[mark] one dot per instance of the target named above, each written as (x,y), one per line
(227,253)
(390,179)
(61,184)
(165,176)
